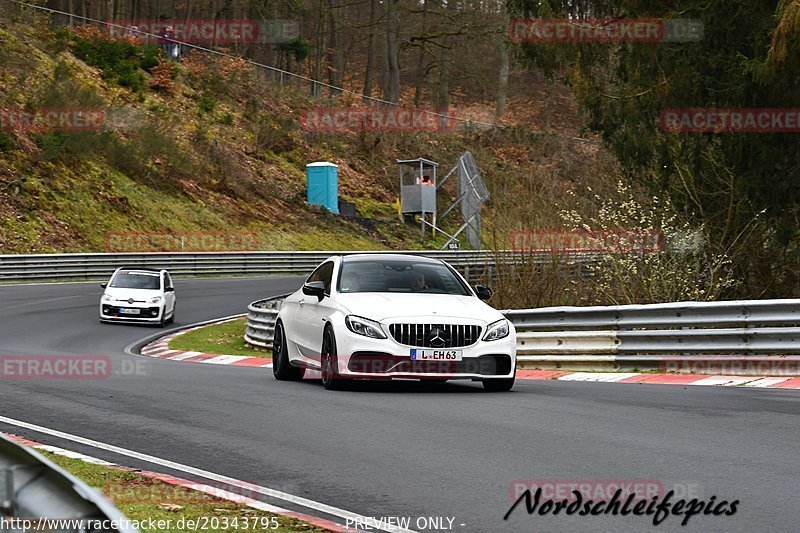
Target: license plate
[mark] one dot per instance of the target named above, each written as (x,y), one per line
(436,355)
(123,311)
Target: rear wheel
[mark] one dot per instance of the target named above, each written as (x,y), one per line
(329,363)
(282,369)
(498,385)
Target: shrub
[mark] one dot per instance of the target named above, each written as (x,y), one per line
(120,60)
(6,142)
(207,102)
(163,74)
(687,268)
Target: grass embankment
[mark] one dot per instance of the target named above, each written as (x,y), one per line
(209,145)
(226,338)
(141,498)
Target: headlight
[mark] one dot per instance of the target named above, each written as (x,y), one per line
(154,300)
(496,330)
(106,298)
(364,326)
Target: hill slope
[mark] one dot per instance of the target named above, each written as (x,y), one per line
(210,145)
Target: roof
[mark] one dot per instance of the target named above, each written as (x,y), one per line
(417,162)
(141,269)
(322,164)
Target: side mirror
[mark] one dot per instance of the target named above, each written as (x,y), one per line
(169,289)
(104,285)
(315,288)
(483,292)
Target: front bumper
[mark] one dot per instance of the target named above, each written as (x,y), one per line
(148,314)
(363,357)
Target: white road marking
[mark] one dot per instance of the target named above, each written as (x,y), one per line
(765,382)
(597,376)
(181,356)
(224,359)
(721,380)
(297,500)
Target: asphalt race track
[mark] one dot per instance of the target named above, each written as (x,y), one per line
(402,449)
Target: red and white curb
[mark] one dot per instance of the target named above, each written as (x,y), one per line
(215,492)
(160,349)
(665,379)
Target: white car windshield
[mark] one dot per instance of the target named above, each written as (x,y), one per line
(399,276)
(136,280)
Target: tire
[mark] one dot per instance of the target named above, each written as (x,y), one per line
(498,385)
(163,321)
(328,362)
(282,369)
(172,317)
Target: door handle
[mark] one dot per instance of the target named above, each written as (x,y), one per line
(301,301)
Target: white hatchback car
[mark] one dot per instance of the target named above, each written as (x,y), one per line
(390,316)
(139,295)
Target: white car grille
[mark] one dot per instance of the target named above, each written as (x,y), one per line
(435,335)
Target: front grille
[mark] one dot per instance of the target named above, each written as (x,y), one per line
(146,312)
(422,335)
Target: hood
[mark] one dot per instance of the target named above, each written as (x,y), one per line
(139,295)
(383,306)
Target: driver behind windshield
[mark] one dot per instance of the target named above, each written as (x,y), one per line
(417,281)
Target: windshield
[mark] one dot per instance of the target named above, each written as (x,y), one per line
(136,280)
(399,276)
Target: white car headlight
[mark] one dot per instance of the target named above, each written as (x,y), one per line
(364,326)
(154,300)
(496,330)
(106,298)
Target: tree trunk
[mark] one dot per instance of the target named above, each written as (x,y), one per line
(318,53)
(335,60)
(502,82)
(369,73)
(393,67)
(421,72)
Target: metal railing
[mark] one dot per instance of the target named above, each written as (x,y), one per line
(33,488)
(747,336)
(756,337)
(99,266)
(261,317)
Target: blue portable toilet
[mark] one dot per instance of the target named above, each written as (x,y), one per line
(323,185)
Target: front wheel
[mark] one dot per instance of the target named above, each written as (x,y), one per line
(498,385)
(329,362)
(282,369)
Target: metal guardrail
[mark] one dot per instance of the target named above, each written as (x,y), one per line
(749,337)
(261,317)
(38,491)
(100,266)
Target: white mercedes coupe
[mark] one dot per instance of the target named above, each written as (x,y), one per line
(391,316)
